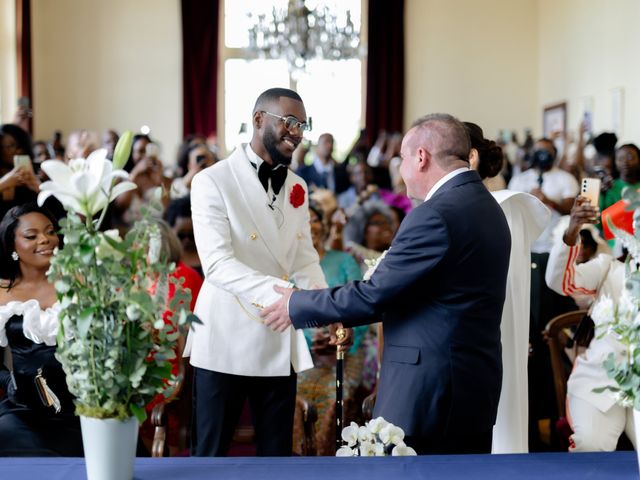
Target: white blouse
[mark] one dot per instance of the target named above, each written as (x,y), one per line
(39,326)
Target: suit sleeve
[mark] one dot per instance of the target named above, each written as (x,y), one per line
(420,246)
(212,233)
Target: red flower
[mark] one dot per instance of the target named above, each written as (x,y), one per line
(296,197)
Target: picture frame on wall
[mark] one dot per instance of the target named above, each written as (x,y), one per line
(554,119)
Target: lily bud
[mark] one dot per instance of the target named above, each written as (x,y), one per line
(122,150)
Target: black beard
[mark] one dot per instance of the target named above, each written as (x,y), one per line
(270,140)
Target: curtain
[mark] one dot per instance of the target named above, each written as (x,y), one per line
(200,22)
(23,56)
(385,68)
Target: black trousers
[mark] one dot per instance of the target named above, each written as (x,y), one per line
(218,399)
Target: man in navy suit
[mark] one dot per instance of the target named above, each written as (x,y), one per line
(440,289)
(325,172)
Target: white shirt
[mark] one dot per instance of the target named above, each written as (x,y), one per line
(444,180)
(327,168)
(273,200)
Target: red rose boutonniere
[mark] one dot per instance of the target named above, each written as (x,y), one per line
(296,197)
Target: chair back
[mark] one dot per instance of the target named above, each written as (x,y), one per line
(553,333)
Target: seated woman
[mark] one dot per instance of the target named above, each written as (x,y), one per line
(596,419)
(33,421)
(318,385)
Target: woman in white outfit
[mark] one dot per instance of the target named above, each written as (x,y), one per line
(596,419)
(527,218)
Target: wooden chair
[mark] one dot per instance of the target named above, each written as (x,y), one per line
(244,434)
(553,333)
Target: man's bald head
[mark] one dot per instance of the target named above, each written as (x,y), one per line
(444,136)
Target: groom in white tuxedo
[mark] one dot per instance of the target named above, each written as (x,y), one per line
(251,226)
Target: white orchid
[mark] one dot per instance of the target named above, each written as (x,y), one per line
(346,452)
(403,451)
(373,440)
(376,425)
(391,434)
(350,434)
(367,449)
(84,185)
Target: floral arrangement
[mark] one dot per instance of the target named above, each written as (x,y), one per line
(372,265)
(112,341)
(377,438)
(622,320)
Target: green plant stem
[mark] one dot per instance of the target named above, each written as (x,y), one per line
(104,210)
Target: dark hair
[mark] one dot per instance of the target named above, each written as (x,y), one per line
(490,157)
(183,159)
(138,136)
(10,269)
(273,95)
(21,136)
(605,143)
(178,208)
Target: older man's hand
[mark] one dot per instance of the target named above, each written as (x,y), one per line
(276,316)
(340,336)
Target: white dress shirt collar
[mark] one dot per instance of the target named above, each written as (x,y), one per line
(444,180)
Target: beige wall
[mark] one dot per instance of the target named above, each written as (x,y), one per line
(108,64)
(588,48)
(476,59)
(8,72)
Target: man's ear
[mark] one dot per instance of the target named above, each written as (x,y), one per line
(424,158)
(257,119)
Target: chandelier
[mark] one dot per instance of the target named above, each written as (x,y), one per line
(298,34)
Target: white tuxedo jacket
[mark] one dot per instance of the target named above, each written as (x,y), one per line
(243,255)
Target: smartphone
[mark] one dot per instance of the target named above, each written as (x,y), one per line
(22,161)
(591,190)
(152,150)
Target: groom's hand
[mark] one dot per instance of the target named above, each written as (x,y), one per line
(276,316)
(340,336)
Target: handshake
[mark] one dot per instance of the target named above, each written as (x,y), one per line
(276,317)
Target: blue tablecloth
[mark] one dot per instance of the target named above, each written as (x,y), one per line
(547,466)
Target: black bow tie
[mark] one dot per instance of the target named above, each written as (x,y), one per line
(277,175)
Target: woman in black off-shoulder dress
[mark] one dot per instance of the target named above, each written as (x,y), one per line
(32,423)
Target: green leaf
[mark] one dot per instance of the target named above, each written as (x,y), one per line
(138,412)
(84,321)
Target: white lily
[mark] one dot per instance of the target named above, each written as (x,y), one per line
(403,450)
(350,434)
(83,185)
(391,434)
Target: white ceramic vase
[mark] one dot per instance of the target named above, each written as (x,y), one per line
(109,447)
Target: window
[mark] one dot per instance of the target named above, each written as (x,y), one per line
(331,89)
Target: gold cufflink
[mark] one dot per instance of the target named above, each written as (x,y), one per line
(253,236)
(285,278)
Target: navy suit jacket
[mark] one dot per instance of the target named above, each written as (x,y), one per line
(441,290)
(315,180)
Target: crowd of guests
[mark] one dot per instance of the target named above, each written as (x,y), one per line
(357,205)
